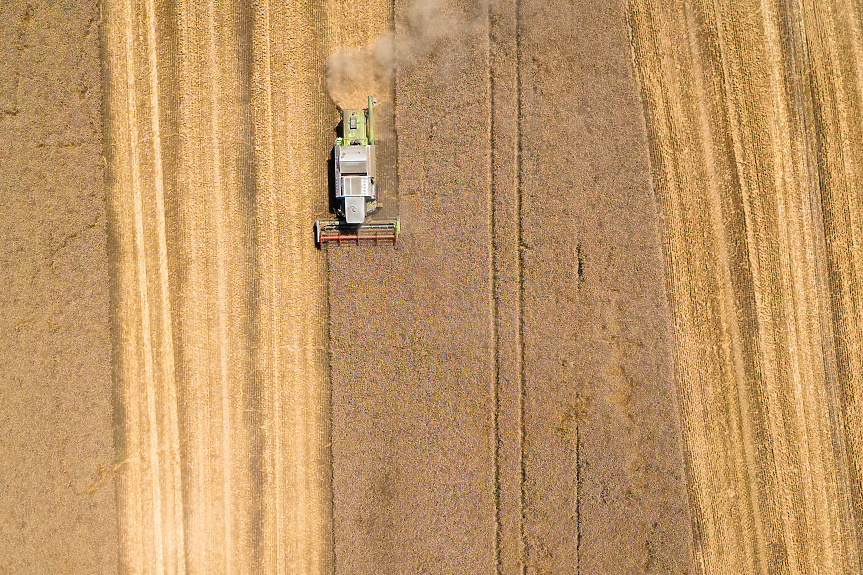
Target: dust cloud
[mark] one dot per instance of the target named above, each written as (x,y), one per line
(354,73)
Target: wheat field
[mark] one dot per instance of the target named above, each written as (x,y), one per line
(218,128)
(754,116)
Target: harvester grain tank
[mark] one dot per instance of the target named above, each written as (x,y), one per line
(356,192)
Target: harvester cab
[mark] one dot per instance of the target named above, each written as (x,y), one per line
(356,192)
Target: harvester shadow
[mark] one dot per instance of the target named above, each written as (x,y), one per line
(332,204)
(331,172)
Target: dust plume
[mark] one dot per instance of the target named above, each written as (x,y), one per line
(354,73)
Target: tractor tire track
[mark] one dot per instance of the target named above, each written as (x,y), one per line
(505,282)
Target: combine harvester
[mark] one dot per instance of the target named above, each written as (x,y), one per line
(356,191)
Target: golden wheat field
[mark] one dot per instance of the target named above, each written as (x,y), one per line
(620,332)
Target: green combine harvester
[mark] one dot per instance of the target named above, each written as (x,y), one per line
(356,186)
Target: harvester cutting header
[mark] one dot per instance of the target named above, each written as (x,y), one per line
(356,193)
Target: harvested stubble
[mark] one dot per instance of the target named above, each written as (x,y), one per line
(218,133)
(754,111)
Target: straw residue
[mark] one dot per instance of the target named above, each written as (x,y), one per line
(754,115)
(216,152)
